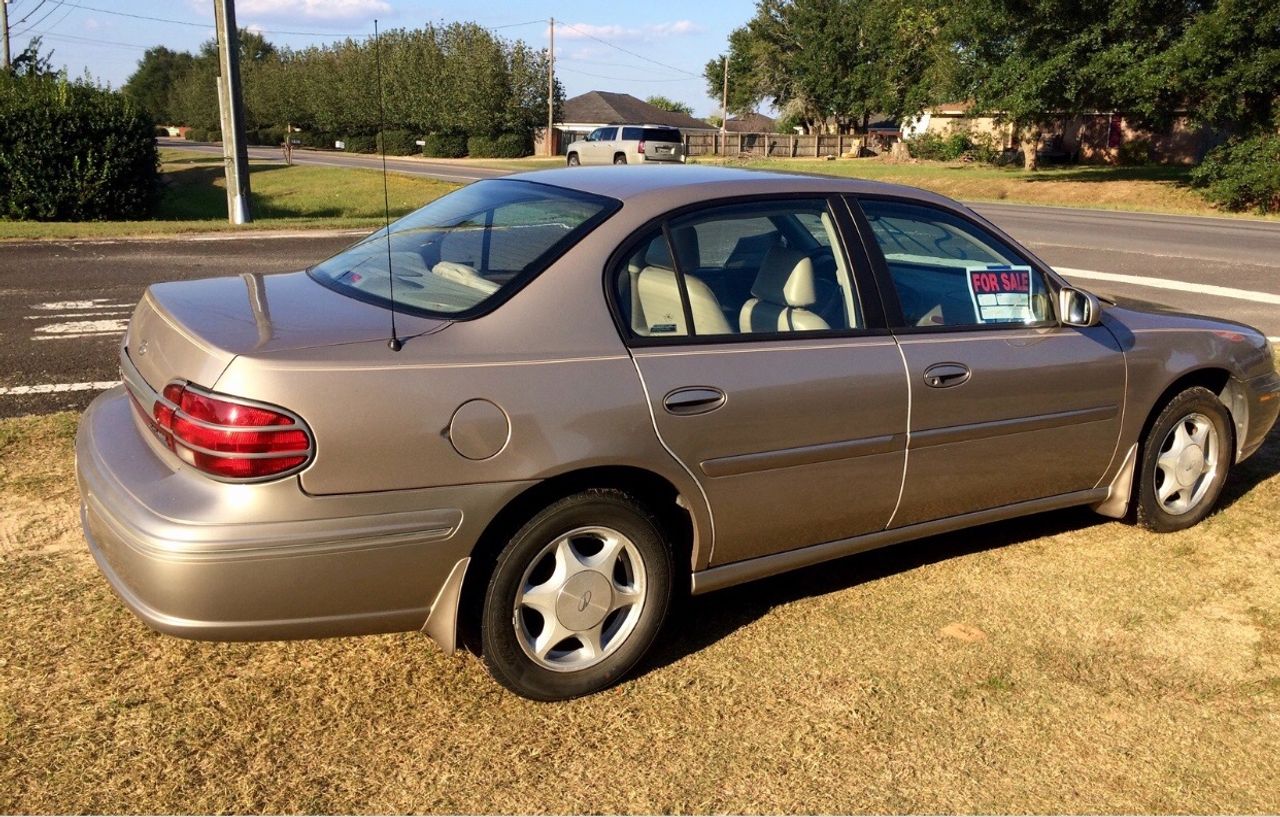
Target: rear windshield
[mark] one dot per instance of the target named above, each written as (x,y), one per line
(650,135)
(473,246)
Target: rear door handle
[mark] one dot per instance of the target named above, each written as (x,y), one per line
(946,375)
(693,400)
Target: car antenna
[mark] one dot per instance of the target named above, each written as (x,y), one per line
(395,344)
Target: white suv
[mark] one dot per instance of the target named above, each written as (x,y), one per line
(620,144)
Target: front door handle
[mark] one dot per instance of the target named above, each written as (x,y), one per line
(693,400)
(946,375)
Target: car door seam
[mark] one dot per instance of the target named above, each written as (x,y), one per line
(653,418)
(906,451)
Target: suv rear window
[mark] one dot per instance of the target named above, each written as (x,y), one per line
(651,135)
(475,245)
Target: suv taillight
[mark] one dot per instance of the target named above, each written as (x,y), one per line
(640,147)
(228,438)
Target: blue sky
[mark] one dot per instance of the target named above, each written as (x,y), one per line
(668,39)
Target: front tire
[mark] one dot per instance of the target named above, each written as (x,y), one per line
(620,159)
(577,597)
(1185,460)
(573,160)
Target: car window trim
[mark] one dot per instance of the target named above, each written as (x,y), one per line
(872,312)
(889,293)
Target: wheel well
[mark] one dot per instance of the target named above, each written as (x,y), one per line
(658,495)
(621,153)
(1215,380)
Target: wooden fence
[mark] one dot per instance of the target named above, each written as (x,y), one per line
(713,143)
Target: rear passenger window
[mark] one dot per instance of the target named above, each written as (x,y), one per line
(949,272)
(758,268)
(632,134)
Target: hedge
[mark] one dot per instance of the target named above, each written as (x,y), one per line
(398,142)
(502,146)
(74,152)
(1243,175)
(359,144)
(448,145)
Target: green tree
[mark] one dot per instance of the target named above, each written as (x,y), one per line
(668,104)
(152,83)
(31,63)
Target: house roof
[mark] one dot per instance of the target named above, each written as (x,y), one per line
(605,107)
(750,123)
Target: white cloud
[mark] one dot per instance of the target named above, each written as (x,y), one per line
(579,31)
(315,10)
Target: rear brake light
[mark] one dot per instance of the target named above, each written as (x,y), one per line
(226,437)
(640,147)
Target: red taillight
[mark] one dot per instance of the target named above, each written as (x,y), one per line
(640,147)
(228,438)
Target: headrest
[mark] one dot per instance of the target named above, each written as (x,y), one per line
(686,241)
(786,279)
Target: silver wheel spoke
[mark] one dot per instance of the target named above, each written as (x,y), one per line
(625,597)
(612,548)
(552,634)
(542,598)
(592,640)
(1168,489)
(568,562)
(1200,432)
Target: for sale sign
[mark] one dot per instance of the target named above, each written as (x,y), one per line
(1001,294)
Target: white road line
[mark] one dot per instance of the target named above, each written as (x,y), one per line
(101,312)
(96,303)
(1180,286)
(111,326)
(58,388)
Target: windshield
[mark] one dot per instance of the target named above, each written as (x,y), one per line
(474,245)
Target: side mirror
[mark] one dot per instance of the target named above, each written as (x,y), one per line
(1078,308)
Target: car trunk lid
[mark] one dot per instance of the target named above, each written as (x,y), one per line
(192,330)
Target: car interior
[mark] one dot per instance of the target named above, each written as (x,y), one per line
(744,272)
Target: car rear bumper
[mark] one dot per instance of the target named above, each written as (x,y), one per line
(202,559)
(1263,395)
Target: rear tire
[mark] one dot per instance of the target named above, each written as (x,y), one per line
(1186,457)
(573,160)
(577,597)
(620,159)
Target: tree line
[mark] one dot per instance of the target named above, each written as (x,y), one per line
(457,79)
(834,64)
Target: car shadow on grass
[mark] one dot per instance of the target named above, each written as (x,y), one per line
(699,622)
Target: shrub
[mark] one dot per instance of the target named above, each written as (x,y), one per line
(74,152)
(956,145)
(502,146)
(397,142)
(1136,152)
(316,139)
(447,145)
(269,136)
(360,143)
(1242,175)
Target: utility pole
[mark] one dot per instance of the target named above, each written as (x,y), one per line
(235,154)
(551,92)
(724,100)
(4,24)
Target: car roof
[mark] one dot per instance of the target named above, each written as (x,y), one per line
(673,185)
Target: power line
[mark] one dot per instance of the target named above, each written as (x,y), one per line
(605,63)
(29,13)
(37,23)
(192,23)
(632,53)
(57,22)
(624,79)
(95,41)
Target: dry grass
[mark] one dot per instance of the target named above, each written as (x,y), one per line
(1060,663)
(1154,188)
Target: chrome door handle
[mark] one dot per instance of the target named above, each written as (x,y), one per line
(946,375)
(693,400)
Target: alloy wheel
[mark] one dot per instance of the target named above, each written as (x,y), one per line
(1187,465)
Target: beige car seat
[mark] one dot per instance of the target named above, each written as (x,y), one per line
(782,293)
(656,308)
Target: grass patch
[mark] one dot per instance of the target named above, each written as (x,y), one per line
(1155,188)
(284,198)
(1060,663)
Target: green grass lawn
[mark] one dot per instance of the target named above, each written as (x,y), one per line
(284,198)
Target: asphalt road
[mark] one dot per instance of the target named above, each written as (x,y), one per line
(64,304)
(447,171)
